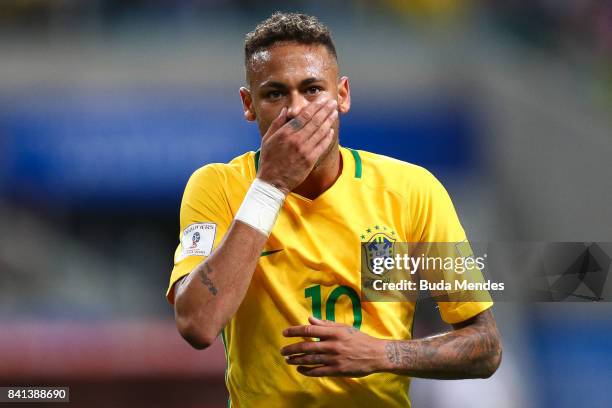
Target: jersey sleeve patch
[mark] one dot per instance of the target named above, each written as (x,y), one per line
(198,239)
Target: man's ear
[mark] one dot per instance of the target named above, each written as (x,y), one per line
(344,95)
(247,104)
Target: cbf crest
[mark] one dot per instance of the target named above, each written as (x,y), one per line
(377,242)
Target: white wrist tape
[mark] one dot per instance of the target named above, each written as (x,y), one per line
(261,206)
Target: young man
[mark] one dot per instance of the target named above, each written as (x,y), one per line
(272,240)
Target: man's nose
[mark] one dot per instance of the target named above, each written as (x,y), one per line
(297,102)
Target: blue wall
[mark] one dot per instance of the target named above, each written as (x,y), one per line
(107,148)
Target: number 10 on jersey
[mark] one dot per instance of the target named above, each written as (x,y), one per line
(314,292)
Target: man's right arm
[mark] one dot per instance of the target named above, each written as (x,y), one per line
(208,297)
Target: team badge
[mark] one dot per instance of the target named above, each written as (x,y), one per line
(377,242)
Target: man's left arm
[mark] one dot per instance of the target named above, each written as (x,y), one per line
(471,350)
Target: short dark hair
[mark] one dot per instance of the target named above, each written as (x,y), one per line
(292,27)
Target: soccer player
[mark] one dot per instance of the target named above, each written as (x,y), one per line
(270,244)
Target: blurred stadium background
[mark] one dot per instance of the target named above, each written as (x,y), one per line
(107,106)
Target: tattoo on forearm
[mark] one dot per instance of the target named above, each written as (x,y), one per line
(393,352)
(204,271)
(399,353)
(469,352)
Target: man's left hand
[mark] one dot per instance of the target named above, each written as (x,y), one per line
(342,350)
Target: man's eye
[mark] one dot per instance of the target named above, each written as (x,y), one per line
(274,95)
(313,90)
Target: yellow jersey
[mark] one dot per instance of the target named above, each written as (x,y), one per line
(311,266)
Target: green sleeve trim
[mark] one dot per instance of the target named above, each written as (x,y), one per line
(224,341)
(358,167)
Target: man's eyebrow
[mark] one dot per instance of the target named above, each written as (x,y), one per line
(311,80)
(273,84)
(280,85)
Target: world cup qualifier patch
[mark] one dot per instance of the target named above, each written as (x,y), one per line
(198,239)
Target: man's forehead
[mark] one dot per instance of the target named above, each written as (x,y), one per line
(291,60)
